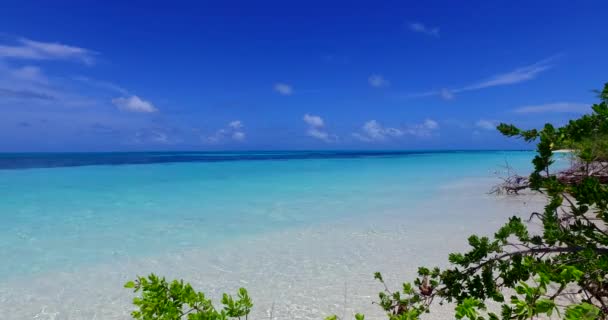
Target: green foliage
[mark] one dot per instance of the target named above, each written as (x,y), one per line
(237,308)
(582,311)
(358,316)
(178,300)
(561,271)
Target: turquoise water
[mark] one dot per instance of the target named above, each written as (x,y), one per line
(66,212)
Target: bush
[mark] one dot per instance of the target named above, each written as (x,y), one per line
(163,300)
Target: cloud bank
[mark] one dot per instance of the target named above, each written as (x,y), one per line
(374,131)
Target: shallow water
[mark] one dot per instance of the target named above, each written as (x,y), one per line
(304,233)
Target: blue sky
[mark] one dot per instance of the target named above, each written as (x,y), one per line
(237,75)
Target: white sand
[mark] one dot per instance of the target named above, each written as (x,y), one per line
(306,273)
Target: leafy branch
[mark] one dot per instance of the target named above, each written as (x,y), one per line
(178,300)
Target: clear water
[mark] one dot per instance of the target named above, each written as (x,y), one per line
(59,212)
(303,231)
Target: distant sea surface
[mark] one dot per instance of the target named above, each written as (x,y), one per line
(60,211)
(49,160)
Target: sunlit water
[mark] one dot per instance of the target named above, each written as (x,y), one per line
(303,231)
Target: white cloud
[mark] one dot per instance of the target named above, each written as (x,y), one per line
(134,104)
(425,129)
(486,124)
(283,89)
(236,124)
(559,107)
(377,81)
(515,76)
(30,83)
(27,83)
(430,124)
(238,136)
(374,131)
(318,134)
(312,120)
(160,137)
(421,28)
(233,130)
(316,128)
(37,50)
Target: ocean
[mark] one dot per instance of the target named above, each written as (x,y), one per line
(75,226)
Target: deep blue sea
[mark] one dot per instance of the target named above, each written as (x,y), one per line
(50,160)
